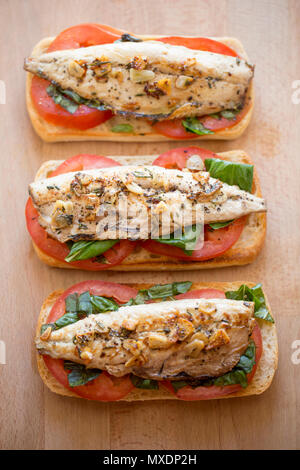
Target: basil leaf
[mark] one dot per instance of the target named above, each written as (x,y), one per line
(195,126)
(89,249)
(62,100)
(240,174)
(71,303)
(238,374)
(229,113)
(146,384)
(252,294)
(71,104)
(232,378)
(85,304)
(178,384)
(160,292)
(186,240)
(122,128)
(65,320)
(217,225)
(102,304)
(79,374)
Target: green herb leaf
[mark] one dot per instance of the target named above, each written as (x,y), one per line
(66,319)
(71,303)
(195,126)
(160,291)
(178,384)
(79,374)
(89,249)
(61,99)
(146,384)
(84,303)
(229,113)
(252,294)
(217,225)
(240,174)
(186,240)
(122,128)
(102,304)
(71,103)
(238,374)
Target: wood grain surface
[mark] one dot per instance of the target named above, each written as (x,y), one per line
(30,416)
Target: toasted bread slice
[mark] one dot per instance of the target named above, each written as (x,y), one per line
(244,251)
(261,380)
(52,133)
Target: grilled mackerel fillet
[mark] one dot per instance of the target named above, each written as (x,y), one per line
(135,202)
(149,78)
(196,337)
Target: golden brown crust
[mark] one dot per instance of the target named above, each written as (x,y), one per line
(262,378)
(52,133)
(244,251)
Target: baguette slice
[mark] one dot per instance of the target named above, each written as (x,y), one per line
(244,251)
(51,133)
(261,380)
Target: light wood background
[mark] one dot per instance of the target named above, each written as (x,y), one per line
(30,416)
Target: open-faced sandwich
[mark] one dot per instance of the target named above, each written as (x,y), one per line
(92,212)
(94,82)
(105,341)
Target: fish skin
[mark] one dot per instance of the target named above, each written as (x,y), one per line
(199,338)
(219,82)
(101,204)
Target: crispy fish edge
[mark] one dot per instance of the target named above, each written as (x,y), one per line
(261,380)
(52,133)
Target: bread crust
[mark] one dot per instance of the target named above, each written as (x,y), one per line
(261,380)
(244,251)
(52,133)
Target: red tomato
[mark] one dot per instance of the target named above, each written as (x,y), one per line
(84,35)
(202,294)
(200,44)
(58,250)
(214,124)
(120,292)
(104,387)
(216,242)
(84,162)
(72,38)
(206,393)
(83,118)
(174,129)
(176,158)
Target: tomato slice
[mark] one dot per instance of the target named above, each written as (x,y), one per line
(120,292)
(216,242)
(58,250)
(104,387)
(83,118)
(176,158)
(202,294)
(84,161)
(173,127)
(207,393)
(83,35)
(200,44)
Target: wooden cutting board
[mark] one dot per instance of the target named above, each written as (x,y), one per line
(33,418)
